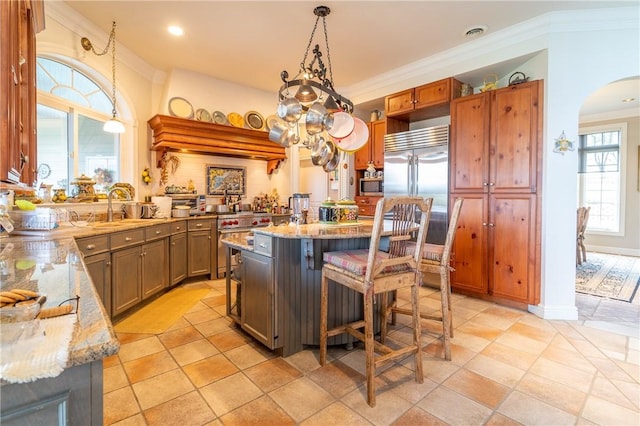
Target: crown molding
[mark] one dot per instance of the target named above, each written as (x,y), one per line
(82,27)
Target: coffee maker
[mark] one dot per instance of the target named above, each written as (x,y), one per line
(299,208)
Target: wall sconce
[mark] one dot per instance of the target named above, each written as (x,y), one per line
(113,125)
(563,144)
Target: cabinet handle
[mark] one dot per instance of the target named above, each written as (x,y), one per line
(198,225)
(15,76)
(485,184)
(484,223)
(91,246)
(173,244)
(177,228)
(157,232)
(108,263)
(209,237)
(128,238)
(492,184)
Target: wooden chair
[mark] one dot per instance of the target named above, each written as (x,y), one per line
(436,259)
(371,272)
(581,227)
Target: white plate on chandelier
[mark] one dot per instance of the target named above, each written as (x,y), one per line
(356,139)
(343,125)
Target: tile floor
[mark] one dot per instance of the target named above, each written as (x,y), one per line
(509,367)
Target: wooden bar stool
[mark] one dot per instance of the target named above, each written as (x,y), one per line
(436,259)
(371,272)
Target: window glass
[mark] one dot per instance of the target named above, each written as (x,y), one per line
(599,178)
(72,110)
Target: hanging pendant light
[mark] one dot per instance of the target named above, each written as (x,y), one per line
(113,125)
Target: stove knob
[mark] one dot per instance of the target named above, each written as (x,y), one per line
(235,222)
(254,223)
(224,223)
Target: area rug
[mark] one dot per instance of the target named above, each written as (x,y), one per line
(162,313)
(607,275)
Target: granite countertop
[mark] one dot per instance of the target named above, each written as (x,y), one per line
(54,267)
(360,229)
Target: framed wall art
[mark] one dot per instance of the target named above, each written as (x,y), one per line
(223,180)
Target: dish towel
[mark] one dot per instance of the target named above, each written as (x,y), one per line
(37,349)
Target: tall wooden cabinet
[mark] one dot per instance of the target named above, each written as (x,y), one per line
(374,149)
(20,21)
(495,156)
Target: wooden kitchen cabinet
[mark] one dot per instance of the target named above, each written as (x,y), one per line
(423,102)
(126,276)
(374,149)
(99,269)
(21,20)
(178,253)
(495,154)
(366,205)
(258,297)
(201,249)
(155,267)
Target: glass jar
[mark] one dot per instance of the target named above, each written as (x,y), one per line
(59,195)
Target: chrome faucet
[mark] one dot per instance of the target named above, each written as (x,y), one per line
(109,207)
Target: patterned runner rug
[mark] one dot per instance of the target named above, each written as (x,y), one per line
(609,275)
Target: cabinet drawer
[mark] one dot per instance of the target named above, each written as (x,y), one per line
(93,245)
(178,227)
(198,224)
(157,231)
(127,238)
(366,210)
(262,244)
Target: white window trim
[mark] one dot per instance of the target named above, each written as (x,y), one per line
(622,128)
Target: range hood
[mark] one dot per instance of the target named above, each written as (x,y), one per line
(184,135)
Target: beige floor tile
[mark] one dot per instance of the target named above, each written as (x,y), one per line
(606,413)
(587,348)
(553,393)
(611,369)
(416,416)
(229,393)
(497,371)
(148,366)
(186,410)
(208,370)
(305,361)
(453,408)
(288,397)
(622,393)
(498,419)
(228,340)
(119,405)
(459,354)
(389,406)
(337,378)
(479,329)
(509,355)
(262,411)
(470,341)
(436,369)
(214,326)
(181,323)
(570,358)
(162,388)
(114,378)
(531,411)
(272,374)
(179,337)
(125,338)
(139,348)
(520,342)
(111,361)
(544,335)
(478,388)
(193,351)
(336,414)
(245,356)
(135,420)
(402,382)
(215,300)
(201,316)
(560,373)
(630,390)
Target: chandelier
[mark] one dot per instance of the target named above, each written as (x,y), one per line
(316,107)
(113,125)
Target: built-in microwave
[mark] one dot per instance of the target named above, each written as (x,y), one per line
(372,186)
(195,201)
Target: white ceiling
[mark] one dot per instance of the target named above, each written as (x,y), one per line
(251,42)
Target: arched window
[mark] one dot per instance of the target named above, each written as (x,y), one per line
(71,111)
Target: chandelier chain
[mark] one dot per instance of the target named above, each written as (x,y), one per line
(326,42)
(306,52)
(112,38)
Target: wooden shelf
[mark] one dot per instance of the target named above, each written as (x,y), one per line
(184,135)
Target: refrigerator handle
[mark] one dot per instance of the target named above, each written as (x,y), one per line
(415,174)
(409,173)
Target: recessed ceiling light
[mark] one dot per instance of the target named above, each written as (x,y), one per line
(476,31)
(175,30)
(629,100)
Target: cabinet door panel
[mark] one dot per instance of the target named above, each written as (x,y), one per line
(469,150)
(434,93)
(178,256)
(469,250)
(199,253)
(514,138)
(258,297)
(99,269)
(376,140)
(512,242)
(155,268)
(399,103)
(126,272)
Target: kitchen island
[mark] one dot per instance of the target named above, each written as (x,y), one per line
(54,267)
(273,292)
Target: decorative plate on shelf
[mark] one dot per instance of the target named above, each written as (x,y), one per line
(254,120)
(220,118)
(203,115)
(271,120)
(121,195)
(235,119)
(180,107)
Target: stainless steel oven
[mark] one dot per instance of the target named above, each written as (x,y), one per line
(237,222)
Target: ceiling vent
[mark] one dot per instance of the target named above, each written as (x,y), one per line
(475,31)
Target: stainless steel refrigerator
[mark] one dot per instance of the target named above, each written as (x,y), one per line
(416,163)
